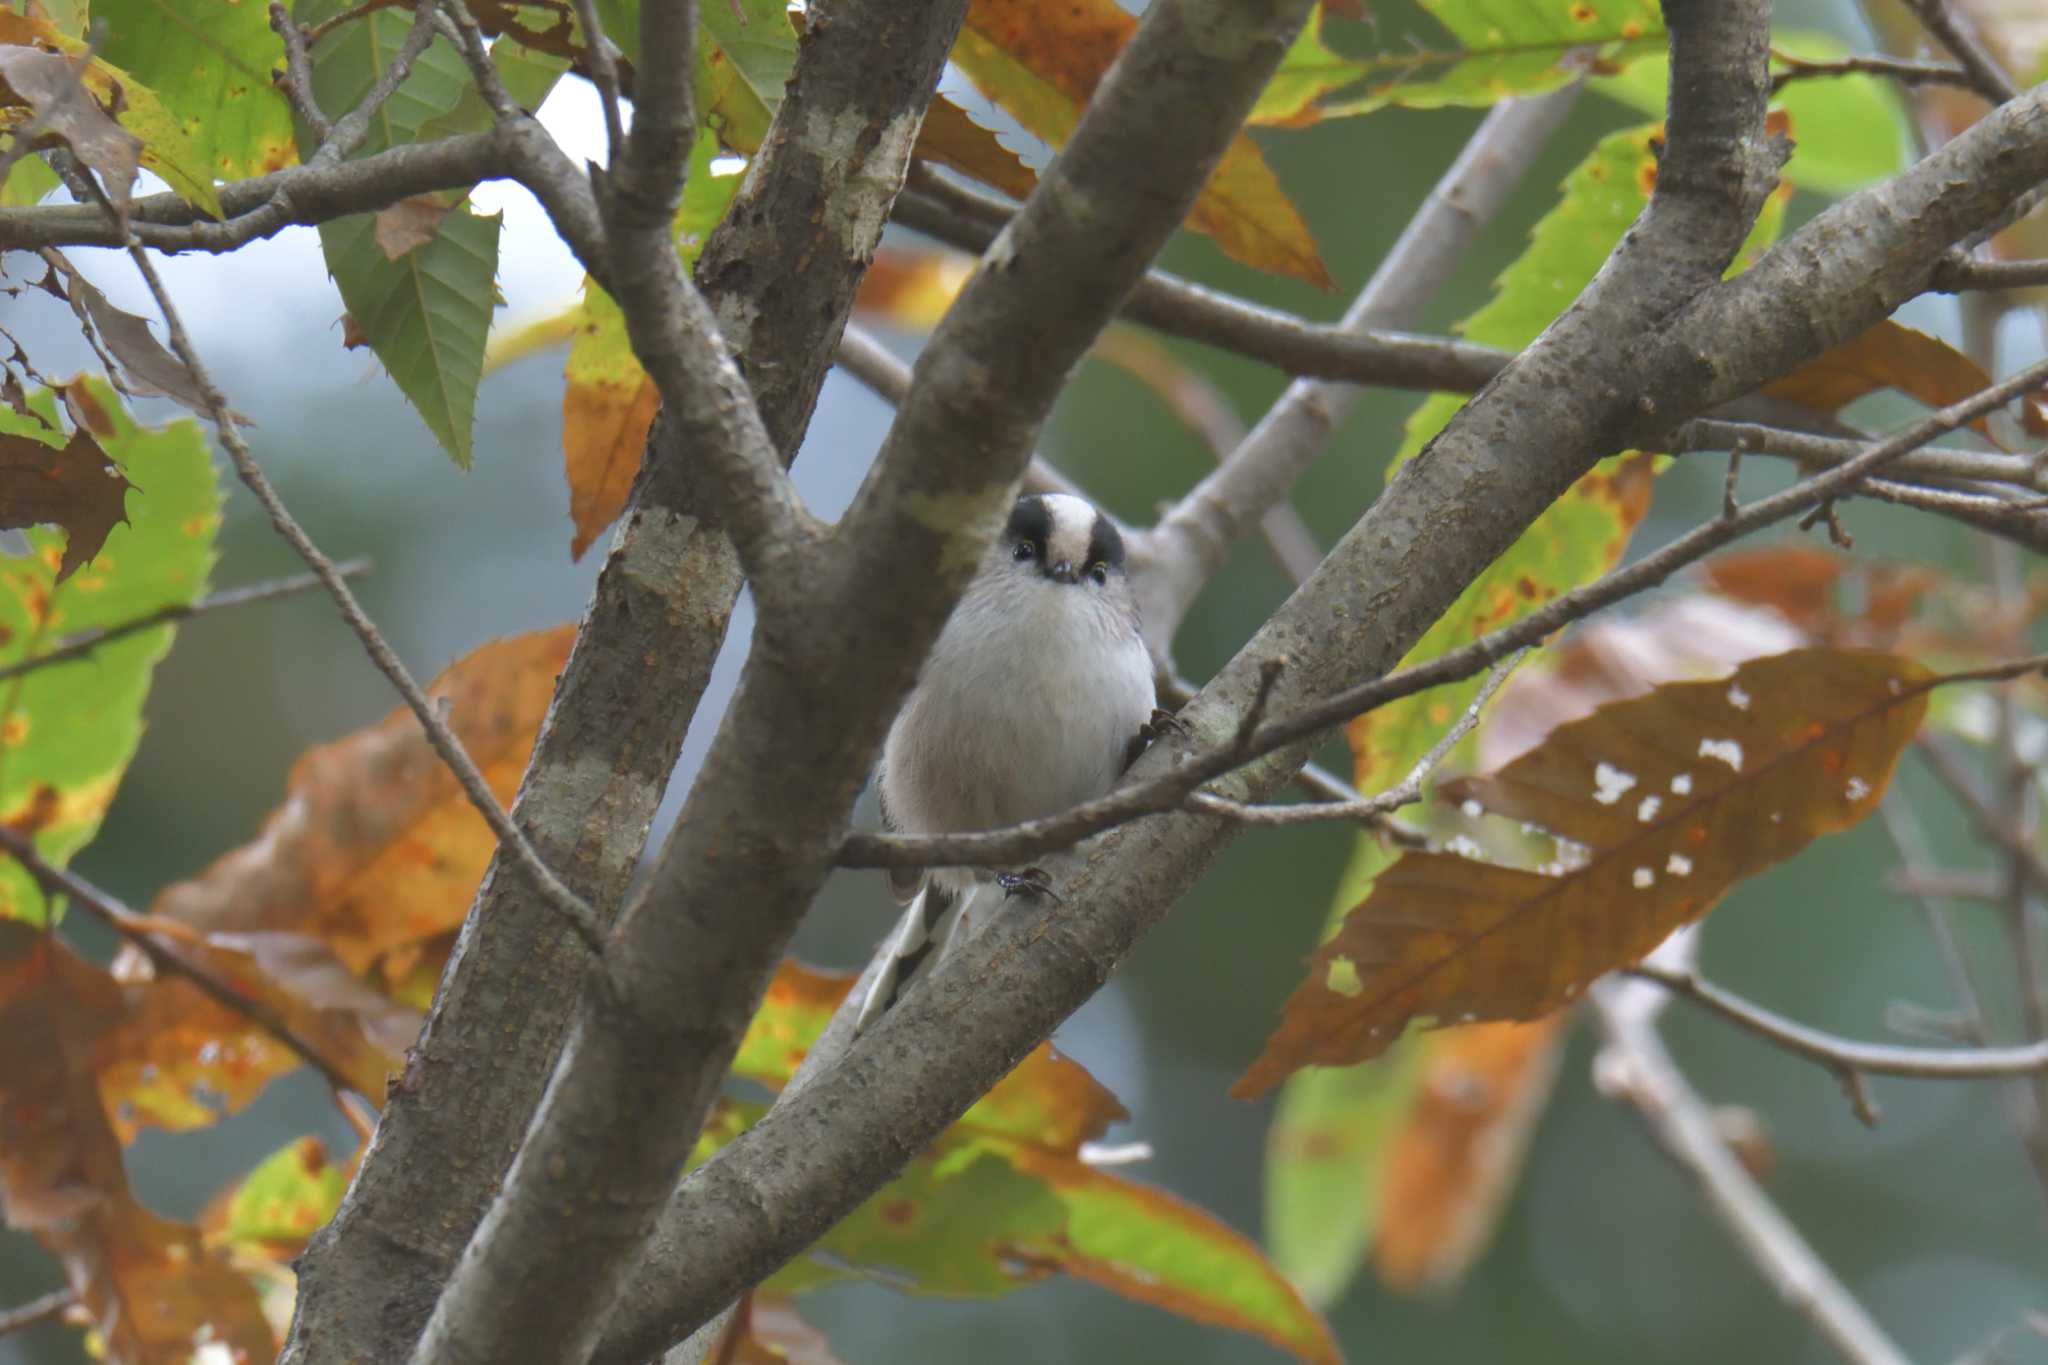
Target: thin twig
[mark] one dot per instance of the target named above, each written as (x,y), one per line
(1167,790)
(1842,1055)
(604,74)
(351,128)
(36,1311)
(1954,32)
(1960,271)
(1370,810)
(1635,1066)
(297,78)
(459,26)
(1948,766)
(141,931)
(1905,70)
(85,642)
(439,735)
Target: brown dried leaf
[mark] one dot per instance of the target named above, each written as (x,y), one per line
(1674,796)
(181,1058)
(376,848)
(409,224)
(148,1284)
(77,488)
(604,433)
(1832,598)
(951,138)
(1888,356)
(145,368)
(1452,1163)
(54,88)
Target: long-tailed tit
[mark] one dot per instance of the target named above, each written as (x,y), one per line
(1033,700)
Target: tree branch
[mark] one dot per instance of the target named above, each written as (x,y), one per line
(1635,1066)
(1954,32)
(1178,557)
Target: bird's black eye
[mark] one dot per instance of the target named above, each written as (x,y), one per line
(1099,573)
(1023,550)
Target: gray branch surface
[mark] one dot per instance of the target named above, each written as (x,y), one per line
(1666,339)
(643,656)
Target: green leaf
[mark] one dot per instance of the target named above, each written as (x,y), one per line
(427,314)
(1330,1139)
(27,183)
(1501,50)
(209,61)
(1847,131)
(350,58)
(1309,71)
(166,149)
(288,1197)
(67,731)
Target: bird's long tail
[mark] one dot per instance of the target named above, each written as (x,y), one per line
(929,928)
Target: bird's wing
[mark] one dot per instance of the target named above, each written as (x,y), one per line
(915,945)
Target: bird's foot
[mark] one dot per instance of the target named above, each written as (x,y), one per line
(1027,881)
(1162,724)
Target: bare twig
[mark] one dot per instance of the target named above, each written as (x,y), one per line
(85,642)
(144,934)
(36,1311)
(351,128)
(1369,810)
(1942,463)
(1960,271)
(439,735)
(1635,1066)
(1904,70)
(1193,538)
(297,78)
(1955,32)
(604,74)
(1844,1055)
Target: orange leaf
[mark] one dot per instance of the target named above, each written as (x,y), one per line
(953,139)
(376,848)
(178,1043)
(768,1331)
(148,1284)
(1674,796)
(1042,63)
(604,432)
(1888,356)
(1798,581)
(912,289)
(1452,1164)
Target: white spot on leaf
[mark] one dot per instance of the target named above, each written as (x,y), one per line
(1678,865)
(1738,698)
(1643,879)
(1729,751)
(1857,789)
(1682,784)
(1609,782)
(1646,809)
(1471,809)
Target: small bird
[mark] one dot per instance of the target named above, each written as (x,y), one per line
(1034,699)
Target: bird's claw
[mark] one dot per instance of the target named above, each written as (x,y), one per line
(1162,724)
(1027,881)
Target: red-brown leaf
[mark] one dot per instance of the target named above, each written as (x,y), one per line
(77,488)
(1675,796)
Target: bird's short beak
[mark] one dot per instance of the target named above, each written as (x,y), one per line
(1062,572)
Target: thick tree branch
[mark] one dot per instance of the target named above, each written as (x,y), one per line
(833,158)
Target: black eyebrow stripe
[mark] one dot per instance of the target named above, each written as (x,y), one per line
(1105,542)
(1030,520)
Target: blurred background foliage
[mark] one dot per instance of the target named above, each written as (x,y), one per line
(1604,1254)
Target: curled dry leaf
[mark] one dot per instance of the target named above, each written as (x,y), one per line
(409,224)
(74,486)
(1672,797)
(1888,356)
(149,1286)
(1452,1163)
(55,90)
(139,364)
(376,849)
